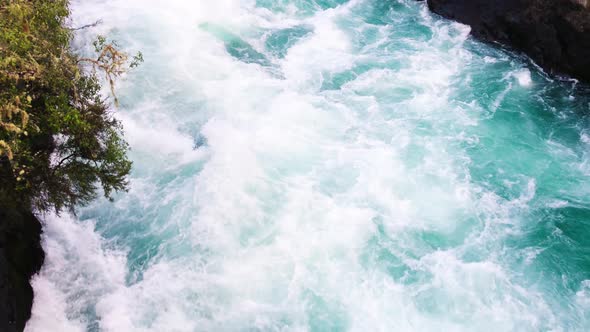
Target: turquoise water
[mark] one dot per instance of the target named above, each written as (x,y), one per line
(304,165)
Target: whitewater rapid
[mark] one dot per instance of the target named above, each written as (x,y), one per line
(326,165)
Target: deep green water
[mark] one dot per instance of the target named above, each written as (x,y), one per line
(306,165)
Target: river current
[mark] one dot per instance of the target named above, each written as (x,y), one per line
(326,165)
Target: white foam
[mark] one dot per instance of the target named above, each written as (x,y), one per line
(77,271)
(583,295)
(524,77)
(284,216)
(53,314)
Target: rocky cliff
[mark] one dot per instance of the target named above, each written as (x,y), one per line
(554,33)
(21,256)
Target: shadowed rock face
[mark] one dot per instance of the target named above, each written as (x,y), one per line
(554,33)
(21,256)
(582,2)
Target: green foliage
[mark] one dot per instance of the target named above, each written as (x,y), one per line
(58,140)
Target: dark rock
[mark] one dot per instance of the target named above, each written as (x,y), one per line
(21,256)
(554,33)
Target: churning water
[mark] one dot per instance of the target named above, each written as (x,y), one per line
(327,165)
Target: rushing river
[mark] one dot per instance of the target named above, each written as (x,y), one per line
(327,165)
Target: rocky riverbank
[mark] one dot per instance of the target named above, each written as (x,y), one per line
(554,33)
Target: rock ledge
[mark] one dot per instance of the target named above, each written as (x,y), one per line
(554,33)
